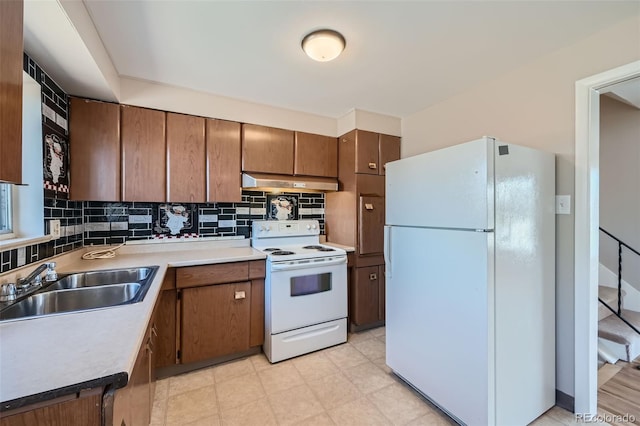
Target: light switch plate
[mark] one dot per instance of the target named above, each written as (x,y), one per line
(563,204)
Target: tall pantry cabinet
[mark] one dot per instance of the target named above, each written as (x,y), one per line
(354,216)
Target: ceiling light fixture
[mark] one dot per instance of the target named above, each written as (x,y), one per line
(323,45)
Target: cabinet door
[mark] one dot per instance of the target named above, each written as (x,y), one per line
(223,161)
(267,150)
(315,155)
(94,143)
(257,313)
(367,152)
(371,224)
(140,382)
(143,154)
(165,320)
(366,296)
(11,13)
(185,158)
(389,150)
(215,321)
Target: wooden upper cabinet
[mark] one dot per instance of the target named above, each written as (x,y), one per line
(267,150)
(11,13)
(315,155)
(367,160)
(186,159)
(224,175)
(389,150)
(366,152)
(143,154)
(94,142)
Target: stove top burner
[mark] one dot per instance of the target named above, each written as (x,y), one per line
(319,248)
(282,253)
(271,249)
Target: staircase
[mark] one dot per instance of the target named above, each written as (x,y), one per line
(618,328)
(613,329)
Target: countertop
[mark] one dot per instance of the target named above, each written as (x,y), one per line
(46,357)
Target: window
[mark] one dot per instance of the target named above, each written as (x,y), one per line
(6,230)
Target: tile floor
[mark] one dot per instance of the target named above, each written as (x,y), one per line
(348,384)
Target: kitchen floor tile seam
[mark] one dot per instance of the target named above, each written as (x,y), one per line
(219,411)
(341,373)
(430,407)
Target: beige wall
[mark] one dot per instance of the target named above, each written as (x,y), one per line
(533,106)
(619,184)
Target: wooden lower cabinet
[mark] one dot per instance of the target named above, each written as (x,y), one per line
(132,404)
(215,320)
(219,310)
(367,296)
(76,410)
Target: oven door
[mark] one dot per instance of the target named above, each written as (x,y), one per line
(306,292)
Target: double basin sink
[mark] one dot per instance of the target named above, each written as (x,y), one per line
(84,291)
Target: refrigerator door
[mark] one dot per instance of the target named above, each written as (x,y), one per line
(447,188)
(439,334)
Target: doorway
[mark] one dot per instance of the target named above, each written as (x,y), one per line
(586,240)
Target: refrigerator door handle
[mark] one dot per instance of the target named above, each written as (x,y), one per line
(387,250)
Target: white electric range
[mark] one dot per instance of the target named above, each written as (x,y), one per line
(305,288)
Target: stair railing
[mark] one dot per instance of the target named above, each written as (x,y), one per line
(621,244)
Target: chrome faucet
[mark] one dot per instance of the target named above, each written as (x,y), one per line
(9,292)
(34,277)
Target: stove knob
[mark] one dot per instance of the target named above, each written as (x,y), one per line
(314,227)
(308,226)
(268,227)
(262,228)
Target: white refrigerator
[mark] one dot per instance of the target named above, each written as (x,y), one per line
(470,279)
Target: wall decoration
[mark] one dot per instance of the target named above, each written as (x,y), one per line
(56,156)
(282,207)
(176,220)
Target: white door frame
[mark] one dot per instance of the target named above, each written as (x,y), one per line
(587,181)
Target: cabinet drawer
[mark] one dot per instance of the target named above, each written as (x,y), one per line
(256,269)
(194,276)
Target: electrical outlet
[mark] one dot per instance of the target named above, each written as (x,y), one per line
(54,228)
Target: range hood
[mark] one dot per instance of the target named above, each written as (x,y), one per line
(285,183)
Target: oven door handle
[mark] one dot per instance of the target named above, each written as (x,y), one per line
(288,267)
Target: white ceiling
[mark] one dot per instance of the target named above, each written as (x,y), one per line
(401,57)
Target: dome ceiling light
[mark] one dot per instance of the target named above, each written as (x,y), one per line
(323,45)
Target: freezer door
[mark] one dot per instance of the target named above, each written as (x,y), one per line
(439,293)
(447,188)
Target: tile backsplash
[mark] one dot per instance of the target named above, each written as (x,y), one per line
(115,223)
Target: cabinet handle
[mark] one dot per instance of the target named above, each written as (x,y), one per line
(240,295)
(368,206)
(153,331)
(373,166)
(373,277)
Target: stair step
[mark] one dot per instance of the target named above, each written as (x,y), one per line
(610,296)
(613,329)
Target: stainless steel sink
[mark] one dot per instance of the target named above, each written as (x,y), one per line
(84,291)
(99,278)
(54,302)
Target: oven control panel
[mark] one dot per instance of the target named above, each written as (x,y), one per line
(277,228)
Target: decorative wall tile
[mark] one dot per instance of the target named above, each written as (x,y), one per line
(140,218)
